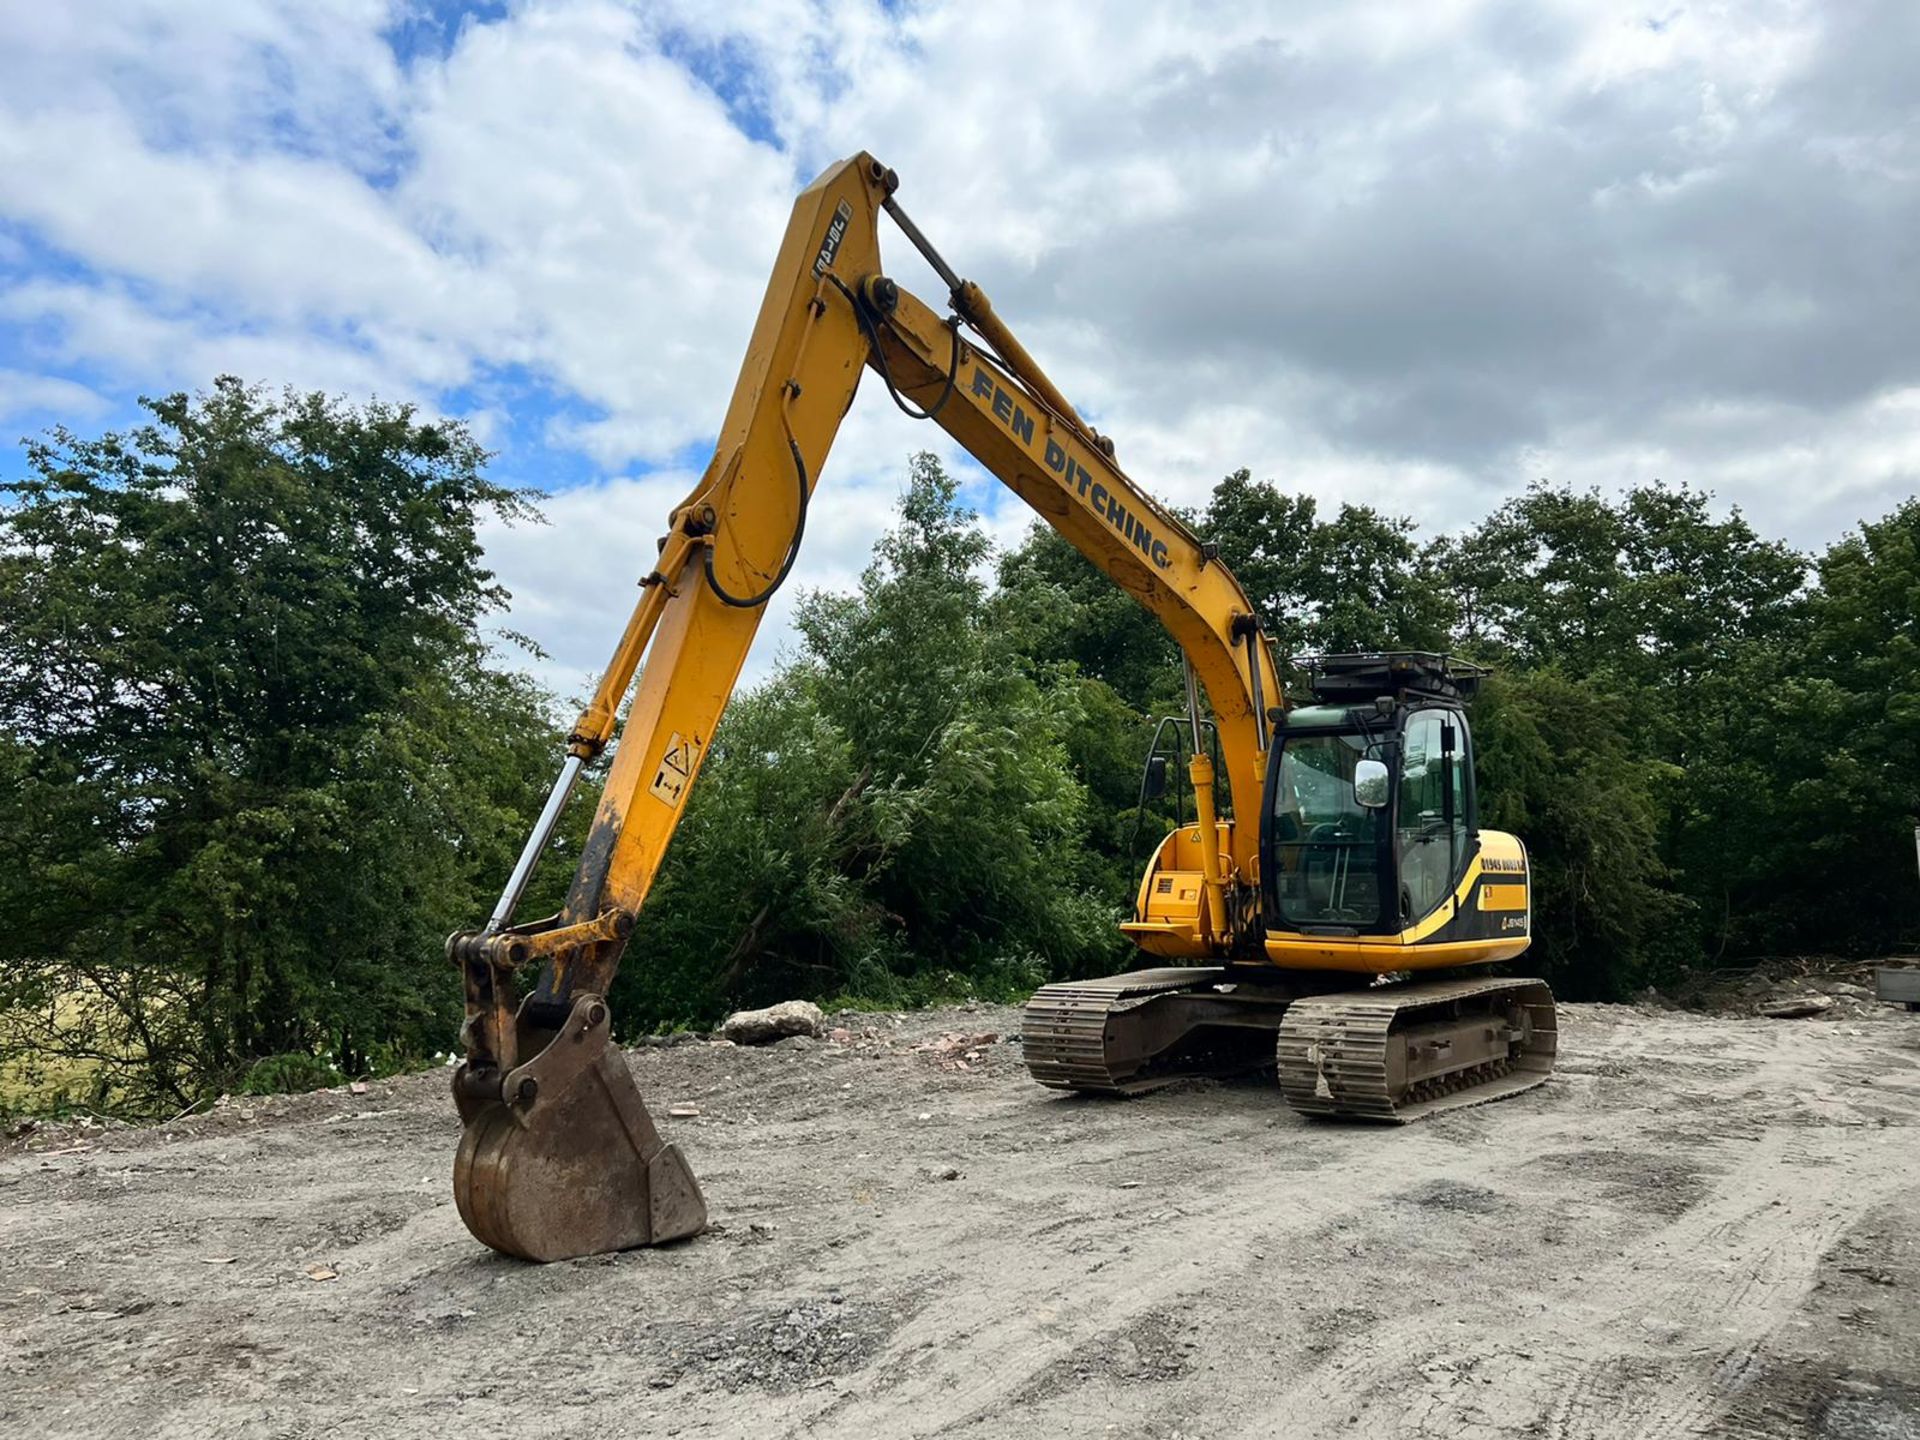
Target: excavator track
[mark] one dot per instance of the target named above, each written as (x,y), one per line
(1400,1052)
(1128,1034)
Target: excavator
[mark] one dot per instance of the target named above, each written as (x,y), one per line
(1332,919)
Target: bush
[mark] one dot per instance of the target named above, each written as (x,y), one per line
(289,1075)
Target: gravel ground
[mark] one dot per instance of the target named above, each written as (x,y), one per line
(1700,1226)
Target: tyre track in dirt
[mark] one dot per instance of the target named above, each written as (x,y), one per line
(1734,1267)
(1639,1248)
(1659,1341)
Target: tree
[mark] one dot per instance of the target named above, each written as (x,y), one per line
(257,764)
(896,812)
(1649,594)
(1065,612)
(1557,766)
(1355,582)
(1675,623)
(1810,806)
(762,895)
(977,818)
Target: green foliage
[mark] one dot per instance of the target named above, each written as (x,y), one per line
(766,859)
(1682,626)
(1650,595)
(1802,809)
(1558,767)
(1062,611)
(256,763)
(1857,707)
(896,815)
(1355,582)
(289,1075)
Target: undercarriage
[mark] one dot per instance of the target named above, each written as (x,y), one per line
(1392,1052)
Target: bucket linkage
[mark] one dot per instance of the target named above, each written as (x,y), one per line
(558,1156)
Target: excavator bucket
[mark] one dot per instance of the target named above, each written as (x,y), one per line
(571,1164)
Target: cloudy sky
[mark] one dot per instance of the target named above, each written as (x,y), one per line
(1411,255)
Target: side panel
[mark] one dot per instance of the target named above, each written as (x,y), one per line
(1489,917)
(1168,902)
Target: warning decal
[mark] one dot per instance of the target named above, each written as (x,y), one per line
(676,769)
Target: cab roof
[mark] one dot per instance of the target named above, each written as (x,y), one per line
(1341,680)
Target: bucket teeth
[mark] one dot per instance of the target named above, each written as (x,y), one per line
(578,1168)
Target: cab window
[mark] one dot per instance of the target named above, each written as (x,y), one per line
(1326,853)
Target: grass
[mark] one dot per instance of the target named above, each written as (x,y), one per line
(34,1082)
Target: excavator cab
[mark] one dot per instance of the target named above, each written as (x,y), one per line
(1371,863)
(1371,821)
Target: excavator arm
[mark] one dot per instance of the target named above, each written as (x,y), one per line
(559,1156)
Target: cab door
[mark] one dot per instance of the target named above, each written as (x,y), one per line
(1432,826)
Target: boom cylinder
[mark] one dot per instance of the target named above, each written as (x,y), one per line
(971,302)
(1200,771)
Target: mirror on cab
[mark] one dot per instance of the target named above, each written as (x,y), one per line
(1370,786)
(1154,783)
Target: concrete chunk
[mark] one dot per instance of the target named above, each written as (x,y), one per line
(1797,1007)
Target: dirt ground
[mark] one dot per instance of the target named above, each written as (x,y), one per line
(1699,1227)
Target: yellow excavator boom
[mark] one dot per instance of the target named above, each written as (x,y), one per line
(828,313)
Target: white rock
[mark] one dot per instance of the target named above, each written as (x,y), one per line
(776,1022)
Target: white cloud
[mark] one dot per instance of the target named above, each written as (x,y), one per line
(23,394)
(153,348)
(1413,256)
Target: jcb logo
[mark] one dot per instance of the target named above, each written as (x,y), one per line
(836,232)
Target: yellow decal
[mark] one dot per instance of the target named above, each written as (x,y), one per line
(1503,897)
(676,769)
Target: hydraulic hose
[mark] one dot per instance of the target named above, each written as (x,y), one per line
(749,602)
